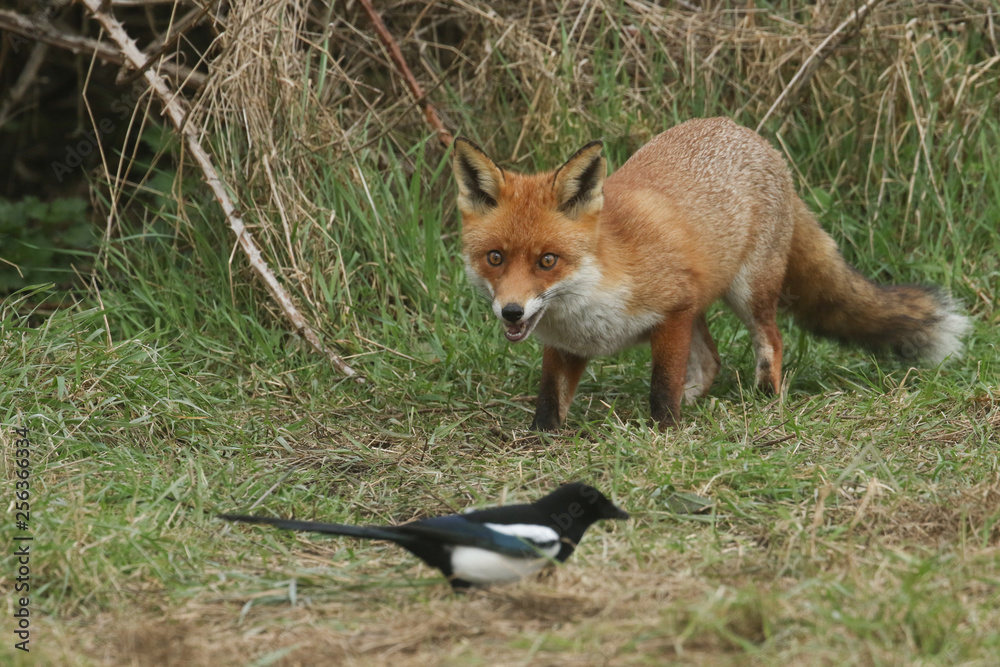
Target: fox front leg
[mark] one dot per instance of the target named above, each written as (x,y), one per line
(561,373)
(670,341)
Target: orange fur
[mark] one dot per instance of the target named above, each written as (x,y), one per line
(704,211)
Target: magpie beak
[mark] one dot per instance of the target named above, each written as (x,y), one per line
(483,547)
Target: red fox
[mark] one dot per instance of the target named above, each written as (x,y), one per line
(706,210)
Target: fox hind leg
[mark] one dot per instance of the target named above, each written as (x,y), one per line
(768,347)
(703,362)
(757,308)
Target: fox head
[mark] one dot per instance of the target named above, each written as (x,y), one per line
(529,239)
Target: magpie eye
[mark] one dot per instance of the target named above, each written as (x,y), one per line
(494,258)
(547,261)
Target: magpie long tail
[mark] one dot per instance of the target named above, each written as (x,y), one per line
(364,532)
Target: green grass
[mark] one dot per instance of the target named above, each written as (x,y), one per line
(856,521)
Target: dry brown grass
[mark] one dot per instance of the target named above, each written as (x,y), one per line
(747,591)
(611,608)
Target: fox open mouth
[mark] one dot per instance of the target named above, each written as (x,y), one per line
(517,332)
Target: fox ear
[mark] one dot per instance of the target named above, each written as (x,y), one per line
(478,177)
(579,184)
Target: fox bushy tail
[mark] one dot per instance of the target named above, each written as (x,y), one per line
(830,298)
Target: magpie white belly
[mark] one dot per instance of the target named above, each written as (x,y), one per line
(479,566)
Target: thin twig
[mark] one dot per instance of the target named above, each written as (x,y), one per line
(444,136)
(174,109)
(819,54)
(160,46)
(40,29)
(143,3)
(24,81)
(273,487)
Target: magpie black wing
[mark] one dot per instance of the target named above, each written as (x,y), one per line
(458,531)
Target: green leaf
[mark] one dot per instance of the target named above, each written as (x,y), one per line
(688,503)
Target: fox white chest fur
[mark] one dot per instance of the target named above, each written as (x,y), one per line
(583,314)
(590,318)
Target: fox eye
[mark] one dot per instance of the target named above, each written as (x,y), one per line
(494,258)
(547,261)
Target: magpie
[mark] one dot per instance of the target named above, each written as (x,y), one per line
(489,546)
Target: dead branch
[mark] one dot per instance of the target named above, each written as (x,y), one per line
(444,136)
(40,29)
(174,108)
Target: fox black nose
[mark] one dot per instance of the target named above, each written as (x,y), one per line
(512,312)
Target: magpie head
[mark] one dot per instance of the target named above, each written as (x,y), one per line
(574,507)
